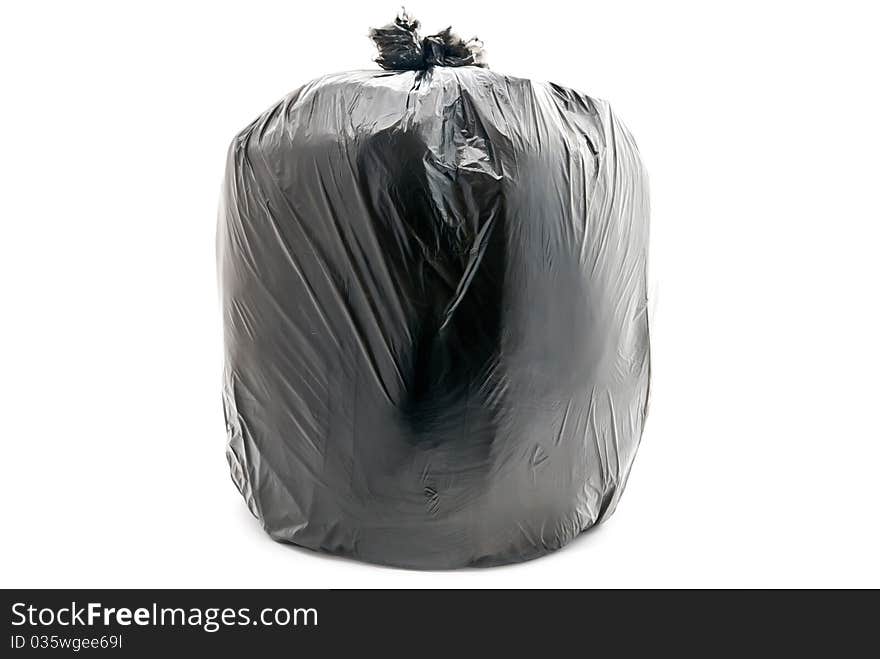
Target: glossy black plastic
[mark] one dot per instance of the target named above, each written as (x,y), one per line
(434,302)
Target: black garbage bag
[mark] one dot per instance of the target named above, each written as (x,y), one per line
(434,303)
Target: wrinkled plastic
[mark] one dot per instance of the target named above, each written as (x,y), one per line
(434,299)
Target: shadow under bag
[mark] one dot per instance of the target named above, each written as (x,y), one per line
(433,288)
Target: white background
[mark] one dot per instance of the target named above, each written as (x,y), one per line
(758,122)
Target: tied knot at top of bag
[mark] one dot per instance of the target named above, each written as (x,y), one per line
(402,49)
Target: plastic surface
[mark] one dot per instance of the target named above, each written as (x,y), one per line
(434,303)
